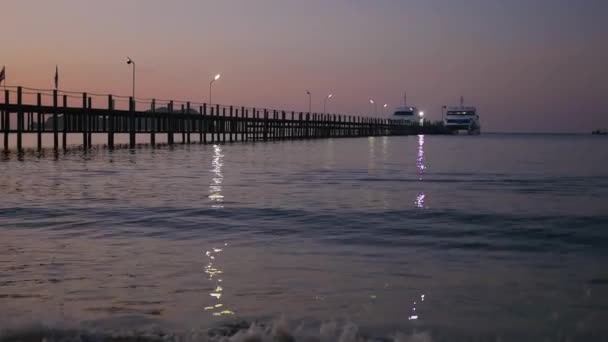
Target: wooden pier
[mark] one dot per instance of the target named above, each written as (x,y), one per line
(37,112)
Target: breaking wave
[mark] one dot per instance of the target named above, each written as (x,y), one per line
(276,331)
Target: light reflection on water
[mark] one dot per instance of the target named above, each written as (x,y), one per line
(420,198)
(215,188)
(71,234)
(212,268)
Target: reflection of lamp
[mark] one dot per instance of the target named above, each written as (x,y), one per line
(217,308)
(421,167)
(215,189)
(217,77)
(217,292)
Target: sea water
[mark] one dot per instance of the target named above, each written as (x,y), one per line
(420,238)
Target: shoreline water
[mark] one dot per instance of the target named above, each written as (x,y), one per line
(502,240)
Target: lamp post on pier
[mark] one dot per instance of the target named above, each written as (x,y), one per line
(325,102)
(309,100)
(374,105)
(131,62)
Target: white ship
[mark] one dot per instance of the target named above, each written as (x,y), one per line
(462,119)
(408,113)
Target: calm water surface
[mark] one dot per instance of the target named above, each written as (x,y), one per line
(496,237)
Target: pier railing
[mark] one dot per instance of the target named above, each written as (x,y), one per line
(59,113)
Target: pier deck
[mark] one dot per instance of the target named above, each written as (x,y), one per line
(59,113)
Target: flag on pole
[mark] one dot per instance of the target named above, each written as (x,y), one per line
(56,77)
(3,75)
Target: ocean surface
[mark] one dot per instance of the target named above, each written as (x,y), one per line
(421,238)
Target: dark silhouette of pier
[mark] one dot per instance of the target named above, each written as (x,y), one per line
(59,113)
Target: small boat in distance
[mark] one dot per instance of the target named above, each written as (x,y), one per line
(600,132)
(462,118)
(408,113)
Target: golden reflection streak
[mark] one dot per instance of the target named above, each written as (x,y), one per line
(217,199)
(215,188)
(421,197)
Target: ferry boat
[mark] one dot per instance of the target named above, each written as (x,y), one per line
(462,119)
(408,113)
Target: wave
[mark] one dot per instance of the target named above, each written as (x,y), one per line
(280,330)
(429,228)
(276,331)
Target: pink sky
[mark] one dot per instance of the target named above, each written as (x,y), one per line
(537,65)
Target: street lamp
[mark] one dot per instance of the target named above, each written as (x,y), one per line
(421,114)
(374,104)
(217,77)
(325,102)
(309,100)
(130,61)
(383,107)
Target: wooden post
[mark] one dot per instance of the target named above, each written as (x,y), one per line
(39,121)
(235,124)
(83,120)
(110,122)
(257,128)
(2,120)
(223,124)
(336,125)
(241,123)
(170,124)
(283,125)
(260,125)
(293,126)
(212,123)
(265,134)
(186,121)
(55,122)
(64,136)
(7,119)
(217,123)
(231,124)
(200,125)
(104,122)
(131,122)
(272,123)
(181,125)
(205,127)
(299,126)
(90,122)
(245,127)
(253,125)
(275,124)
(152,120)
(19,119)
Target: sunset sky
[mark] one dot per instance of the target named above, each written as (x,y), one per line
(528,65)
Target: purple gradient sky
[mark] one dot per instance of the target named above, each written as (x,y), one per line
(529,65)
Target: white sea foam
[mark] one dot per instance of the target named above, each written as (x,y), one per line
(280,330)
